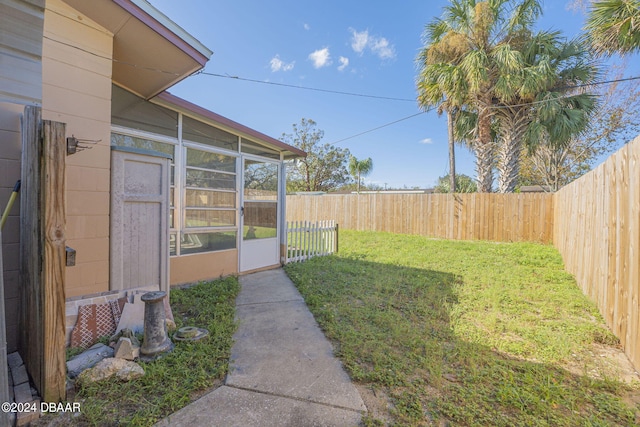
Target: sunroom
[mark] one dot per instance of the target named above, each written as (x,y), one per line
(224,184)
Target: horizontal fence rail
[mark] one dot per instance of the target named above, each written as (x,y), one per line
(307,239)
(497,217)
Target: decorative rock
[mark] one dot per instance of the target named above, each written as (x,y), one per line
(88,359)
(126,333)
(124,370)
(125,349)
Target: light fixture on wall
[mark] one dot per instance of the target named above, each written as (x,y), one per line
(73,144)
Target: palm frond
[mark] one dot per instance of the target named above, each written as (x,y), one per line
(613,26)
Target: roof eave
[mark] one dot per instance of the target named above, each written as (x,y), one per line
(168,29)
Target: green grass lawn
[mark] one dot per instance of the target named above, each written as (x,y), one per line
(466,333)
(179,377)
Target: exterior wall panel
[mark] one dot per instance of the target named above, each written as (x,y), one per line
(193,268)
(10,151)
(76,90)
(21,24)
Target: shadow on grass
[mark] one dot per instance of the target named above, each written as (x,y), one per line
(391,326)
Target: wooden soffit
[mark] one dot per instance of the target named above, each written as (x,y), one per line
(150,52)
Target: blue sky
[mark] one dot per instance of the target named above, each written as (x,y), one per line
(347,45)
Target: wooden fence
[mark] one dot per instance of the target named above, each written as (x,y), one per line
(597,231)
(594,222)
(498,217)
(306,239)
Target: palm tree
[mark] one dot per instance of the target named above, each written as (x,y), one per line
(533,104)
(440,84)
(464,52)
(613,26)
(360,168)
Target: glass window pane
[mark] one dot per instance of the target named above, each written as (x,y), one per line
(192,243)
(260,220)
(196,131)
(146,144)
(260,181)
(210,218)
(171,217)
(128,110)
(206,160)
(206,179)
(210,199)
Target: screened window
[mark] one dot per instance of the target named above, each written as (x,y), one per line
(131,111)
(196,131)
(210,209)
(251,147)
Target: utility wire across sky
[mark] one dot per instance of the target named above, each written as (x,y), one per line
(337,92)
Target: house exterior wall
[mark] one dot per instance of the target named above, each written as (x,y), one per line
(76,90)
(196,267)
(10,152)
(21,23)
(20,49)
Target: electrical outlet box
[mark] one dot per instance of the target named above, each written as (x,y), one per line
(71,256)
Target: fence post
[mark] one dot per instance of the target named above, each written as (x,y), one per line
(42,246)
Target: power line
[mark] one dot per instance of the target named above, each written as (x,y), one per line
(380,127)
(388,98)
(337,92)
(329,90)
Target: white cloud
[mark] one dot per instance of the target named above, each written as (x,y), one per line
(321,58)
(426,141)
(359,40)
(344,63)
(307,26)
(278,64)
(380,46)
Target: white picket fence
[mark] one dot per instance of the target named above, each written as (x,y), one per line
(306,239)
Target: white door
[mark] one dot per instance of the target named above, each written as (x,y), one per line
(139,220)
(259,214)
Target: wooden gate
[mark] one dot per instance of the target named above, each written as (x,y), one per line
(139,219)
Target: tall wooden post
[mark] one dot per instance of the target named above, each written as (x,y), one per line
(42,251)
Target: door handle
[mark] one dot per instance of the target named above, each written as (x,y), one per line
(242,211)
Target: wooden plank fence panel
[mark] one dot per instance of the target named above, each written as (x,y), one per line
(633,334)
(498,217)
(597,231)
(594,222)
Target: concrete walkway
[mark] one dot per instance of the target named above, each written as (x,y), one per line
(282,370)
